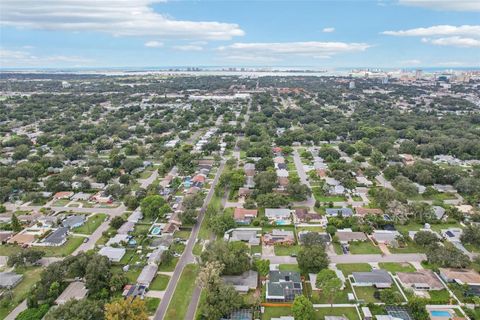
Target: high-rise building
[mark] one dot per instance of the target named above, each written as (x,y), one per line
(351,85)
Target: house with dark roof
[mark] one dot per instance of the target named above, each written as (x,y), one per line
(56,238)
(335,212)
(244,282)
(301,215)
(283,286)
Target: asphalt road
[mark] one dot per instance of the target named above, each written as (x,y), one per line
(310,202)
(187,256)
(355,258)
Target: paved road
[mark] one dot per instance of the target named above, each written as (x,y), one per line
(187,256)
(310,202)
(355,258)
(144,183)
(110,211)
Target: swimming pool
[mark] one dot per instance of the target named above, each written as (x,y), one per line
(156,230)
(440,313)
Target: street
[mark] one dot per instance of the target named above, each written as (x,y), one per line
(187,256)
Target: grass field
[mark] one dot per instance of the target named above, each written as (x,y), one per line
(168,267)
(411,247)
(394,267)
(286,250)
(364,247)
(152,305)
(160,282)
(30,277)
(181,298)
(276,312)
(348,312)
(91,224)
(289,267)
(348,268)
(340,297)
(182,234)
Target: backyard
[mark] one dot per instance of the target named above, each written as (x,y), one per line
(91,224)
(364,247)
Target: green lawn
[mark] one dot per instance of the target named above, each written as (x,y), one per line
(182,234)
(132,274)
(286,250)
(364,247)
(152,305)
(255,249)
(340,297)
(61,251)
(20,292)
(197,249)
(348,268)
(168,267)
(396,267)
(312,229)
(410,247)
(289,267)
(160,282)
(276,312)
(61,203)
(366,294)
(439,296)
(348,312)
(338,248)
(91,224)
(181,298)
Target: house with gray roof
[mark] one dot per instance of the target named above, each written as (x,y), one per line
(74,221)
(56,238)
(147,275)
(335,212)
(245,235)
(283,286)
(244,282)
(376,278)
(9,280)
(277,215)
(113,254)
(388,237)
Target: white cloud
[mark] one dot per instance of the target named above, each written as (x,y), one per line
(281,50)
(153,44)
(454,41)
(440,30)
(451,64)
(116,17)
(328,29)
(448,5)
(188,47)
(16,58)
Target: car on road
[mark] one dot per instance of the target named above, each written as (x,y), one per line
(85,240)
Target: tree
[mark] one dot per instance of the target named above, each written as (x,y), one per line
(16,226)
(471,234)
(329,283)
(390,296)
(235,256)
(312,238)
(298,191)
(117,222)
(131,201)
(189,216)
(416,306)
(272,200)
(221,222)
(126,309)
(425,238)
(447,256)
(84,309)
(265,181)
(263,267)
(25,257)
(220,299)
(151,205)
(97,276)
(312,259)
(302,308)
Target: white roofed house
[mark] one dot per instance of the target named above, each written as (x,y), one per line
(147,275)
(388,237)
(278,216)
(113,254)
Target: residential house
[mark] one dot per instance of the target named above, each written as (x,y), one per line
(407,159)
(325,236)
(81,196)
(147,275)
(279,216)
(113,254)
(102,197)
(439,212)
(171,227)
(56,238)
(420,280)
(362,211)
(244,216)
(377,278)
(249,235)
(75,290)
(283,286)
(460,276)
(74,221)
(335,212)
(63,195)
(302,215)
(134,291)
(9,280)
(347,235)
(5,235)
(244,282)
(388,237)
(126,228)
(283,237)
(118,239)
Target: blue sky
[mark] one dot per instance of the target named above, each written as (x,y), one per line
(324,34)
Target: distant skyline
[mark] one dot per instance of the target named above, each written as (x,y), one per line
(322,34)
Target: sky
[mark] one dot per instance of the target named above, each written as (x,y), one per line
(283,33)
